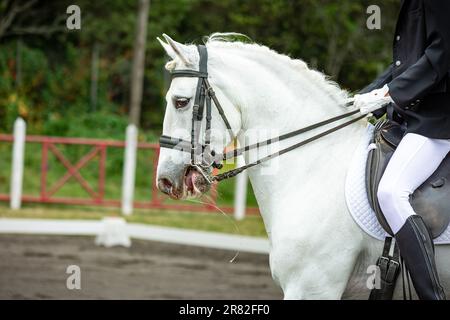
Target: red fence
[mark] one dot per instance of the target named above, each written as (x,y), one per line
(49,145)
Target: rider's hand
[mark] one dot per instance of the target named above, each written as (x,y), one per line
(372,100)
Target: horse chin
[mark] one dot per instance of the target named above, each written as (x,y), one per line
(195,184)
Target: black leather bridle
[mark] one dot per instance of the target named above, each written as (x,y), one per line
(203,158)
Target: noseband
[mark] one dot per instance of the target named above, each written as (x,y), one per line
(203,158)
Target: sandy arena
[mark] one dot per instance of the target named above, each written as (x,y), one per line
(34,267)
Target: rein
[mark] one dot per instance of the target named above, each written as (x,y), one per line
(234,172)
(202,157)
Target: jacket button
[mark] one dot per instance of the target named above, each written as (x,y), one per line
(397,38)
(398,63)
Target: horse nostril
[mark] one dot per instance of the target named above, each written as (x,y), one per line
(165,185)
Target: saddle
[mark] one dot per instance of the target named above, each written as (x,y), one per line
(431,200)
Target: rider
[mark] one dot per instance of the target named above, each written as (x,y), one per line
(415,91)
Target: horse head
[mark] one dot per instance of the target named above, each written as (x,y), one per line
(177,174)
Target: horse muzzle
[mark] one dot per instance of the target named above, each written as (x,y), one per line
(189,183)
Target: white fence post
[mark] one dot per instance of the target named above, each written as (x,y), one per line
(240,194)
(17,164)
(129,169)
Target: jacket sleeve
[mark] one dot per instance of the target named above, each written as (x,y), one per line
(416,81)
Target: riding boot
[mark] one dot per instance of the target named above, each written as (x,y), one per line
(417,250)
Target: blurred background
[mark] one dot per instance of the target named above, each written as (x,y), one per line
(78,84)
(46,70)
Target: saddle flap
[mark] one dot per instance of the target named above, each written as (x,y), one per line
(430,200)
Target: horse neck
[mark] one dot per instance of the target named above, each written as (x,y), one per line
(276,99)
(273,93)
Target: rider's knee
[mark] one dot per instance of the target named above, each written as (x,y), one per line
(391,195)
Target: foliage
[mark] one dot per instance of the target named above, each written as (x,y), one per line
(52,88)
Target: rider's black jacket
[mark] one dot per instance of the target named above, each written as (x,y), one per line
(419,77)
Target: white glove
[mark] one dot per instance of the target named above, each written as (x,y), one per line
(372,100)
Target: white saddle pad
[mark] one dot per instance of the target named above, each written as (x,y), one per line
(356,194)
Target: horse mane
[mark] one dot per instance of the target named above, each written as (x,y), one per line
(234,40)
(238,40)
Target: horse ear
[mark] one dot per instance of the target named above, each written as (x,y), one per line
(175,49)
(167,48)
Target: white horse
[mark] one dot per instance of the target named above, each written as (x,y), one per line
(317,250)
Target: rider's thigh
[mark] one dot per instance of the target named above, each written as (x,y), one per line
(414,161)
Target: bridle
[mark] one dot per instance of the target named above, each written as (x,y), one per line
(203,158)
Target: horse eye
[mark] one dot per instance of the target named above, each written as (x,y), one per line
(181,102)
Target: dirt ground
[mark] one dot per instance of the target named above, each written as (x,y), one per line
(34,267)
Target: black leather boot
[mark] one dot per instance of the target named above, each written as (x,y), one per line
(417,250)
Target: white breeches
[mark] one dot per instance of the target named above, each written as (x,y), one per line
(414,161)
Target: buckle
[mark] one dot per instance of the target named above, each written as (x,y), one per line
(389,261)
(383,258)
(394,262)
